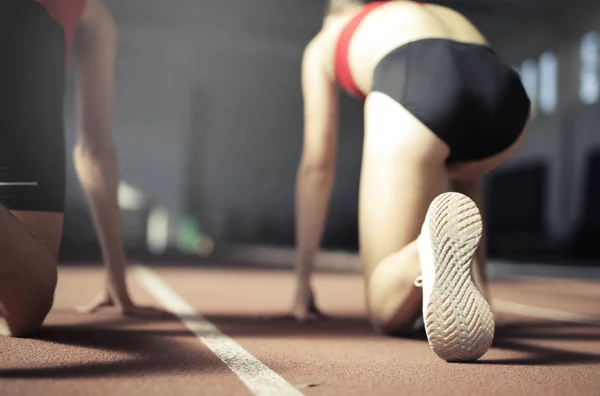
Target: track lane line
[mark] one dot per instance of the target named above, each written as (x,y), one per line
(544,313)
(257,377)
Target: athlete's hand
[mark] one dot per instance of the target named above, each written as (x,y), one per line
(105,299)
(305,308)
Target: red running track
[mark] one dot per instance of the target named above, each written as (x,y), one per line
(544,343)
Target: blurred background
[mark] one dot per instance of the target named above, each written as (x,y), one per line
(208,123)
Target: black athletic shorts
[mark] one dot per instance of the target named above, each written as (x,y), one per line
(464,93)
(32,81)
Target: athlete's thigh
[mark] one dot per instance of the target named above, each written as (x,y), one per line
(403,169)
(46,227)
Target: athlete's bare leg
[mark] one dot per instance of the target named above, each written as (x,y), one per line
(29,244)
(403,171)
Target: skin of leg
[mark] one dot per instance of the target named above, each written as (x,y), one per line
(403,170)
(28,275)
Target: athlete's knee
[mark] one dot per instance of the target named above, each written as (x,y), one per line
(380,322)
(24,312)
(13,327)
(28,319)
(393,312)
(390,325)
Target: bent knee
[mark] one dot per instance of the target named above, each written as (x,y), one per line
(397,325)
(395,318)
(25,319)
(393,300)
(24,324)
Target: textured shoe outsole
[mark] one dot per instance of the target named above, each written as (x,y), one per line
(459,321)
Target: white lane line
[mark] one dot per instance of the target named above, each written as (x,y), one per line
(544,313)
(260,379)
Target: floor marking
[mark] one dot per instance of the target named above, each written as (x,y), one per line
(544,313)
(259,378)
(19,184)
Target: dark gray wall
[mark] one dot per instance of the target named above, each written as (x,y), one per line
(207,114)
(562,144)
(208,121)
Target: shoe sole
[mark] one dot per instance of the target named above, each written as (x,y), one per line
(460,323)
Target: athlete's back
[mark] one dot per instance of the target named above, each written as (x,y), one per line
(387,27)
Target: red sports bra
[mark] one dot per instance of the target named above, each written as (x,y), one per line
(67,14)
(343,73)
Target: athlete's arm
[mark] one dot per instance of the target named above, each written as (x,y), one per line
(316,172)
(95,154)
